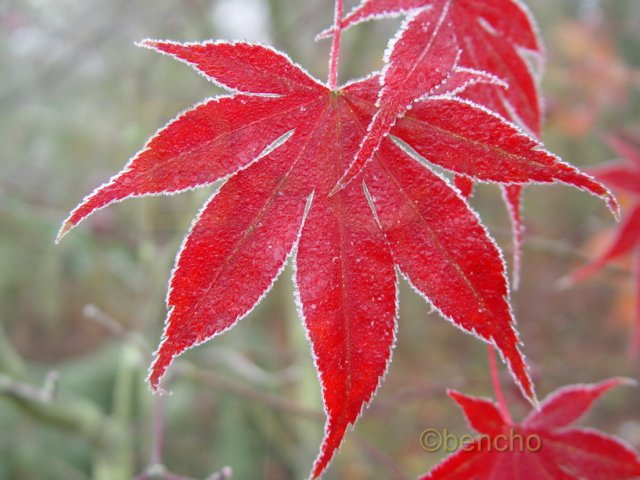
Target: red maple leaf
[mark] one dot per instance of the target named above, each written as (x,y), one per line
(623,175)
(543,446)
(282,142)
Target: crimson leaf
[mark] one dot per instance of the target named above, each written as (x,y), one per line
(282,143)
(543,445)
(623,175)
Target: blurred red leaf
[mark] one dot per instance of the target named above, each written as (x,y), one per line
(623,175)
(543,445)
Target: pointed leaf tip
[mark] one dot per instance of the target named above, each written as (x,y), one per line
(336,188)
(614,206)
(518,368)
(142,43)
(483,414)
(150,43)
(564,283)
(158,369)
(66,227)
(627,382)
(323,35)
(241,67)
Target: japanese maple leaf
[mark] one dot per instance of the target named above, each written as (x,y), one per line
(489,36)
(623,175)
(281,143)
(543,446)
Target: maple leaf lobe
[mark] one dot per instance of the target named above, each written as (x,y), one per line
(239,66)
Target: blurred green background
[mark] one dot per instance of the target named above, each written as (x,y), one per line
(78,321)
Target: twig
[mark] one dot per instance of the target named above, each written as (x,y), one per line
(159,472)
(71,414)
(381,458)
(225,474)
(203,377)
(557,248)
(10,361)
(335,45)
(158,429)
(114,327)
(495,378)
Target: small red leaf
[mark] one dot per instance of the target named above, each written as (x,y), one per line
(623,175)
(626,239)
(544,446)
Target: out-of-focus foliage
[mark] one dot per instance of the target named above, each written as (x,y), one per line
(77,99)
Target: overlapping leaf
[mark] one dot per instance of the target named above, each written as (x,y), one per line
(282,142)
(622,175)
(543,446)
(495,37)
(440,34)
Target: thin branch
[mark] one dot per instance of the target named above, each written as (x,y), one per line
(10,361)
(199,375)
(159,472)
(72,414)
(557,248)
(495,378)
(207,378)
(158,429)
(114,327)
(381,458)
(335,45)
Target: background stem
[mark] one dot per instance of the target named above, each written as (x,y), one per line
(495,378)
(335,46)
